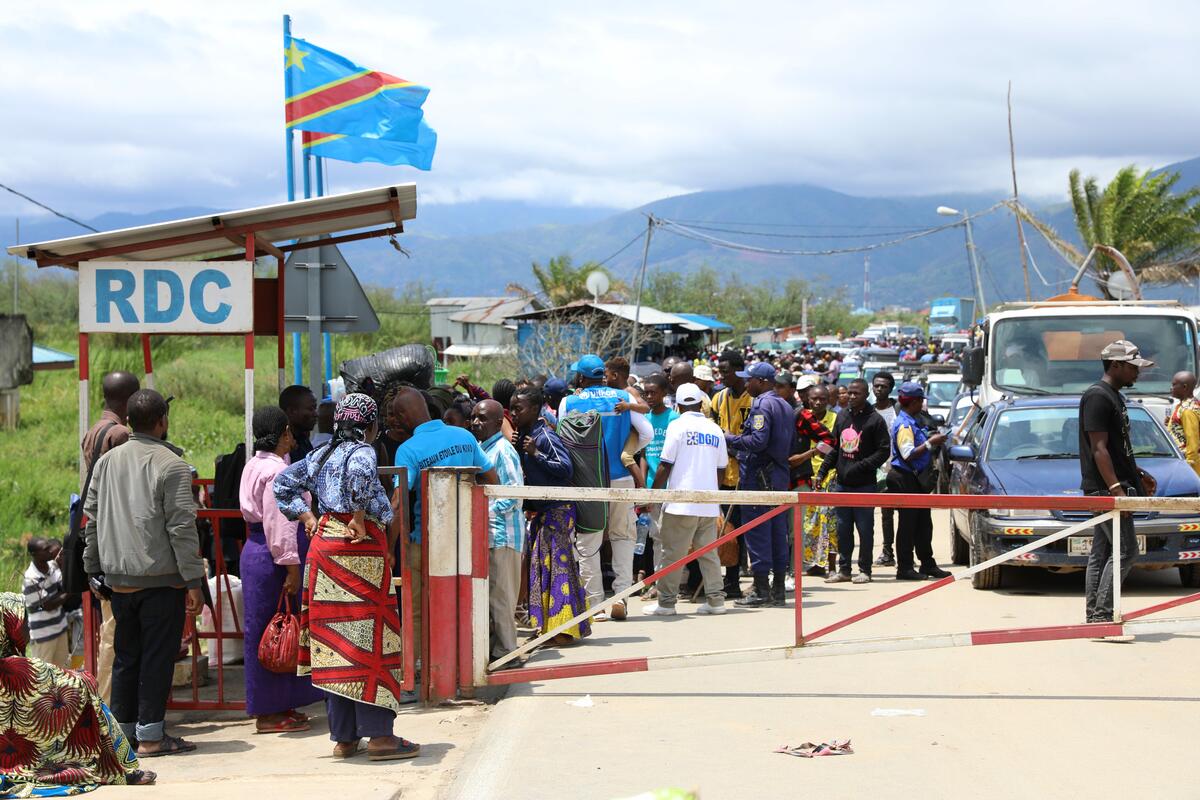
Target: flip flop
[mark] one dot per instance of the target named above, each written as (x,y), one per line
(404,749)
(170,746)
(300,715)
(140,777)
(347,749)
(286,725)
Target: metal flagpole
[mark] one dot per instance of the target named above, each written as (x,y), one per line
(291,177)
(326,338)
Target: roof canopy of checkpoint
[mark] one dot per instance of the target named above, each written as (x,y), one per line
(179,247)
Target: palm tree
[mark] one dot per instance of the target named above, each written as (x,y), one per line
(1137,213)
(563,283)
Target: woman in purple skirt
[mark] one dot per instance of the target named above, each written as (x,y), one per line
(272,562)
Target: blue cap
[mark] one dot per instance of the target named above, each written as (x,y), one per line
(912,389)
(759,369)
(555,387)
(590,366)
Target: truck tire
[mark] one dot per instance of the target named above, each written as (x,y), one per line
(986,579)
(1189,575)
(960,548)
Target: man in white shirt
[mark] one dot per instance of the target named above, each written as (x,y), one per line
(693,457)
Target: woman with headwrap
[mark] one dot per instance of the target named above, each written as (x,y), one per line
(271,563)
(57,737)
(350,630)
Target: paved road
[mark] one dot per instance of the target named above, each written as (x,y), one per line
(1063,719)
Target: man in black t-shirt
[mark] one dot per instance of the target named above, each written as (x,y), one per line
(1107,466)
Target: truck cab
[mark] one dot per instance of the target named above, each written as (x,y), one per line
(1053,348)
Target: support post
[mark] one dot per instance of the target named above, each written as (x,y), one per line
(315,338)
(280,336)
(440,520)
(147,362)
(249,398)
(83,400)
(1118,542)
(798,567)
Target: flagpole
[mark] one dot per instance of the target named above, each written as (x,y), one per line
(319,168)
(291,173)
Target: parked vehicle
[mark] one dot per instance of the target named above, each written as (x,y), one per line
(1053,348)
(1030,446)
(950,314)
(940,390)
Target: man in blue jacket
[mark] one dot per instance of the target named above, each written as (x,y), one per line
(762,449)
(615,426)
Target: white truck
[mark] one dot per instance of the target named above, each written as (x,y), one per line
(1053,348)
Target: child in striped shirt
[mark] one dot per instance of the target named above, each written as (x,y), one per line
(44,598)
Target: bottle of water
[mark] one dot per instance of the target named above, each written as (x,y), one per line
(643,532)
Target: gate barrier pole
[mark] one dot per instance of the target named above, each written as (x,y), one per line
(440,520)
(1117,540)
(481,588)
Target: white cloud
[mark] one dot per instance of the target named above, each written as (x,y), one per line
(131,105)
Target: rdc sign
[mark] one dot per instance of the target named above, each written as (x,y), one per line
(166,297)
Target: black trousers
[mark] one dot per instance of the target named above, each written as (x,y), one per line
(915,531)
(146,641)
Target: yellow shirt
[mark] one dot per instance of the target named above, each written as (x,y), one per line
(730,414)
(827,421)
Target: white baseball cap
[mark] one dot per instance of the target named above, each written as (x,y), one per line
(689,394)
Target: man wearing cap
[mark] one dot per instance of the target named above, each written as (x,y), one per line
(912,460)
(763,448)
(615,426)
(785,387)
(1107,466)
(693,457)
(553,391)
(703,374)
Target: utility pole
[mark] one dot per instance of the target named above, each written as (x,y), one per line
(804,315)
(867,282)
(16,264)
(974,263)
(637,312)
(1012,160)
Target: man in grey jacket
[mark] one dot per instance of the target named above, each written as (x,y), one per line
(141,537)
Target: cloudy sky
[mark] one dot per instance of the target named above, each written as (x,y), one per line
(135,105)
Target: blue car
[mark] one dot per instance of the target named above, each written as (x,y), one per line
(1031,447)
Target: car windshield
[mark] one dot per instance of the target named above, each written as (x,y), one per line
(1061,355)
(941,393)
(1033,433)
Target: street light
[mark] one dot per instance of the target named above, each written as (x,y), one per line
(946,211)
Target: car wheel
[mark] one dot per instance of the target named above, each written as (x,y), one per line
(960,548)
(989,578)
(1189,576)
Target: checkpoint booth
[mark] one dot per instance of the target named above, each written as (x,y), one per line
(195,276)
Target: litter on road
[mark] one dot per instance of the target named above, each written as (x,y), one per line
(835,747)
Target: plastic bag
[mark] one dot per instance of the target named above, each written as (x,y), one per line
(374,374)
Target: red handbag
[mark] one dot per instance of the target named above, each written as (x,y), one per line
(279,648)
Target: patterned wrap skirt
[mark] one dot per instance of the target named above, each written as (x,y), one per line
(349,626)
(556,592)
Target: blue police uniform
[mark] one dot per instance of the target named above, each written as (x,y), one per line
(762,449)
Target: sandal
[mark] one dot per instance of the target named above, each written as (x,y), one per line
(288,724)
(402,749)
(140,777)
(169,746)
(346,749)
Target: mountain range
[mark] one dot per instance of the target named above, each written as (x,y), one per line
(481,247)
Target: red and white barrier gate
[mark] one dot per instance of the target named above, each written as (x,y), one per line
(458,544)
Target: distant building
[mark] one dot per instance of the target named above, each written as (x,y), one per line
(550,339)
(466,327)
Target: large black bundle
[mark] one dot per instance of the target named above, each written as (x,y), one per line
(410,363)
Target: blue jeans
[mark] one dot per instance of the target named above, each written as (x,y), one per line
(847,520)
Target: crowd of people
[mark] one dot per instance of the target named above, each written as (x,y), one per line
(321,534)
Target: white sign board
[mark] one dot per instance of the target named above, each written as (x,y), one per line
(166,297)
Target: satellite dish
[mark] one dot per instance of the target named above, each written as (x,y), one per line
(1119,286)
(597,284)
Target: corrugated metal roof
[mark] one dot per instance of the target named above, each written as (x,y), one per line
(646,316)
(708,322)
(224,234)
(494,312)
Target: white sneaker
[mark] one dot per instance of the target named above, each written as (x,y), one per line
(655,610)
(705,608)
(789,583)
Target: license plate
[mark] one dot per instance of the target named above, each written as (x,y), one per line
(1082,545)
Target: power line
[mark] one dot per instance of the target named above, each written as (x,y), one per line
(692,233)
(48,208)
(896,232)
(788,224)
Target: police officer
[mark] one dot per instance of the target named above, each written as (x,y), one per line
(763,448)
